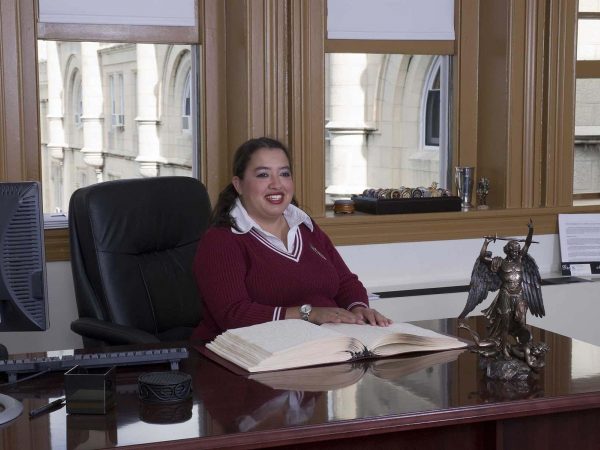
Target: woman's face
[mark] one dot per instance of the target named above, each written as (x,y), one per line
(267,187)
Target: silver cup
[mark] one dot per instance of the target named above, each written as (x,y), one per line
(465,179)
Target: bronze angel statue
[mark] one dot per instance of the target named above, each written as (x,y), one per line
(517,279)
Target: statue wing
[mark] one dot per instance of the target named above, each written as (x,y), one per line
(483,280)
(532,286)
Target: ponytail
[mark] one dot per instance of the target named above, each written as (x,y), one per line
(220,216)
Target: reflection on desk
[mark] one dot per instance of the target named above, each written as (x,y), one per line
(387,402)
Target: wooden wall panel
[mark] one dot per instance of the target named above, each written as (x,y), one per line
(307,102)
(214,169)
(19,124)
(492,130)
(466,93)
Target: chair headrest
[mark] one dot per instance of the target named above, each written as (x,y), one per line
(141,215)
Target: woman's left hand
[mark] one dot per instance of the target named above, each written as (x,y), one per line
(370,316)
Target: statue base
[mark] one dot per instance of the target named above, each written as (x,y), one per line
(505,369)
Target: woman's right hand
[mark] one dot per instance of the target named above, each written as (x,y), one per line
(321,314)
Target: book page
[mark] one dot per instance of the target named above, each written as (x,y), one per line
(415,338)
(279,335)
(283,344)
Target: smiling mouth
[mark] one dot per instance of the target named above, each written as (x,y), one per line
(274,198)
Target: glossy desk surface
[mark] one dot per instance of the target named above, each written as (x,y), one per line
(327,402)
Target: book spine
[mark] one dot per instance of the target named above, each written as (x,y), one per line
(364,353)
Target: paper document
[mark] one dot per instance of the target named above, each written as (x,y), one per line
(579,236)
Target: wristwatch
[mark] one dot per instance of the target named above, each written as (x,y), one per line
(305,312)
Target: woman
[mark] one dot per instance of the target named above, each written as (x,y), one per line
(264,258)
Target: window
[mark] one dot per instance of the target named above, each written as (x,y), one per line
(586,167)
(140,87)
(431,119)
(117,100)
(186,104)
(387,121)
(77,104)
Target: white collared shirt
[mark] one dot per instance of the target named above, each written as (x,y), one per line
(293,215)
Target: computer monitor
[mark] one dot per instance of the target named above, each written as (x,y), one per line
(23,304)
(23,299)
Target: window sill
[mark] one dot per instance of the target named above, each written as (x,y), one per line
(360,228)
(57,244)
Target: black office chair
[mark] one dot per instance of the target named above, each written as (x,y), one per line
(132,249)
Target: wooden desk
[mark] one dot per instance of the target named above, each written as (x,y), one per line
(449,405)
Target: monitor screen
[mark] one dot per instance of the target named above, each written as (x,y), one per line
(23,305)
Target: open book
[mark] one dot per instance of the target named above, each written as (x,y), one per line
(286,344)
(337,376)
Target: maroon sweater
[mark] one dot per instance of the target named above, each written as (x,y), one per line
(243,281)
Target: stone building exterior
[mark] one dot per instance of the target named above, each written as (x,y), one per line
(112,111)
(387,121)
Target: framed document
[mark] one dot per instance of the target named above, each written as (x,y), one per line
(579,236)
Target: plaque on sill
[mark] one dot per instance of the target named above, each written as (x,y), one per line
(406,205)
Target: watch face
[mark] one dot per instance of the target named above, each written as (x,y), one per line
(305,309)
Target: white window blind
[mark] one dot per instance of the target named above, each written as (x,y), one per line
(119,12)
(391,19)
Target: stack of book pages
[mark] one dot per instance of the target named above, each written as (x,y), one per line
(287,344)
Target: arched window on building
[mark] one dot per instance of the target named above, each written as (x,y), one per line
(77,103)
(431,119)
(186,104)
(434,123)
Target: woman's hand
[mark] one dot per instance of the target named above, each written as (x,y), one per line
(359,315)
(321,314)
(370,316)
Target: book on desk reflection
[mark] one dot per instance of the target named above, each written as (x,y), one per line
(337,376)
(288,344)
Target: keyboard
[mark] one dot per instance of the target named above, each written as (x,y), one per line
(13,367)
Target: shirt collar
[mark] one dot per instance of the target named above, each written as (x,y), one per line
(293,215)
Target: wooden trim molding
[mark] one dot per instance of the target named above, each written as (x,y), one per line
(560,100)
(257,70)
(358,228)
(588,69)
(214,171)
(525,104)
(466,82)
(57,245)
(20,157)
(589,15)
(307,102)
(118,33)
(493,75)
(518,155)
(381,46)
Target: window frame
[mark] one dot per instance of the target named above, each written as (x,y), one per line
(586,69)
(279,68)
(20,158)
(535,180)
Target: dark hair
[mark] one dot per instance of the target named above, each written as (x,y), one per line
(220,216)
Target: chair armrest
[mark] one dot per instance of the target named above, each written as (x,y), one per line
(111,333)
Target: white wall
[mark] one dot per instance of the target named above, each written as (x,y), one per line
(61,303)
(571,309)
(434,263)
